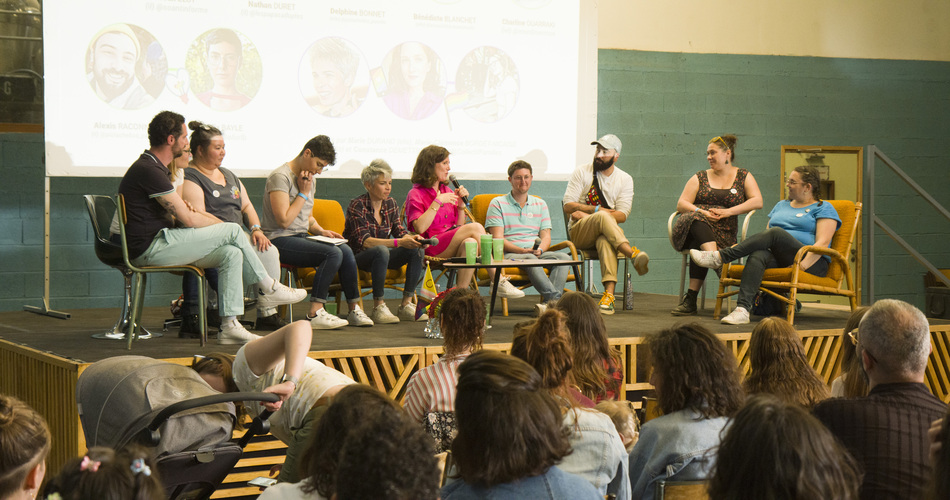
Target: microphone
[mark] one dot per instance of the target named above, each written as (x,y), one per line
(430,241)
(537,243)
(455,182)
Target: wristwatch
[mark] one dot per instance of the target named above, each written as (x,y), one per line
(290,378)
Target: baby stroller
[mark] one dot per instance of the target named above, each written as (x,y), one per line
(169,409)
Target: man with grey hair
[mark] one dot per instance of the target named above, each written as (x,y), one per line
(886,431)
(380,242)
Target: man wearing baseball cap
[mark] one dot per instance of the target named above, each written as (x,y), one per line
(597,200)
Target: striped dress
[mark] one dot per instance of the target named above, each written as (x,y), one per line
(432,389)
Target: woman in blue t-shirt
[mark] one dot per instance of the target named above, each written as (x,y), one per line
(802,219)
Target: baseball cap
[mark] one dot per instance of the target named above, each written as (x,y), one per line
(609,141)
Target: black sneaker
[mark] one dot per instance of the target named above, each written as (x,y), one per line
(189,329)
(270,323)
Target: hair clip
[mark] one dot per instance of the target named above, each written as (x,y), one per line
(138,466)
(89,464)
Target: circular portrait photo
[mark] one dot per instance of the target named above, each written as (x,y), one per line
(489,80)
(126,66)
(413,81)
(224,69)
(334,79)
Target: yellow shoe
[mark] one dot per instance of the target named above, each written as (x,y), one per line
(607,303)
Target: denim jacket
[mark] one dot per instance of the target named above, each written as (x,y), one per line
(554,484)
(598,450)
(677,446)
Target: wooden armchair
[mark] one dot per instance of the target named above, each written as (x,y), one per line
(517,276)
(794,279)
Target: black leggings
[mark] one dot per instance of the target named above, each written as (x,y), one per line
(699,232)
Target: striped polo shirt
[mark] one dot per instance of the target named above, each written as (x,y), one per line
(521,225)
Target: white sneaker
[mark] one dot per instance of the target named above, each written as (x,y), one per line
(326,321)
(235,333)
(383,316)
(358,318)
(705,258)
(279,295)
(737,317)
(508,291)
(408,313)
(641,263)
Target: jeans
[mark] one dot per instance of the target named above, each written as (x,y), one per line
(771,248)
(223,246)
(550,287)
(327,259)
(376,260)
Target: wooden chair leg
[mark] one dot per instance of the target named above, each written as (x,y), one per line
(504,306)
(792,294)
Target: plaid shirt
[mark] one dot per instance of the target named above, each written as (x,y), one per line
(361,222)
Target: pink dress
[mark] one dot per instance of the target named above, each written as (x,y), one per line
(443,226)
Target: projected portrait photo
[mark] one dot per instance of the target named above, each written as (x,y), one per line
(334,79)
(413,79)
(487,82)
(225,69)
(126,66)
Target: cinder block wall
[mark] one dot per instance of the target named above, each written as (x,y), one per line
(664,106)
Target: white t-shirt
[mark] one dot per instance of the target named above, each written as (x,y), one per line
(314,382)
(617,188)
(289,491)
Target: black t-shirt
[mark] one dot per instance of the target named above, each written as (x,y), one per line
(145,180)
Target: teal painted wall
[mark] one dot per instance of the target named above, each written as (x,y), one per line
(664,106)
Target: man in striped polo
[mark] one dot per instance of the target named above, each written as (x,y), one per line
(522,219)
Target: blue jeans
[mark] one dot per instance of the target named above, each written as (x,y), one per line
(550,287)
(771,248)
(223,246)
(327,259)
(376,260)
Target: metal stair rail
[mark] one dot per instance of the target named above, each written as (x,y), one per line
(873,155)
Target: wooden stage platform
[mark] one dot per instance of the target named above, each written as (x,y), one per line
(42,357)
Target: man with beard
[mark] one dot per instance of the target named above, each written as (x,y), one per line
(598,199)
(886,431)
(114,55)
(153,206)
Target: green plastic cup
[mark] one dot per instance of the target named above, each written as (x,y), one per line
(486,248)
(498,249)
(471,252)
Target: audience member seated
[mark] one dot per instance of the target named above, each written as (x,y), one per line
(24,444)
(802,219)
(353,405)
(624,419)
(851,383)
(698,390)
(430,395)
(435,211)
(598,452)
(127,473)
(388,457)
(886,431)
(778,365)
(278,364)
(288,221)
(511,435)
(211,188)
(375,233)
(709,208)
(775,449)
(940,458)
(598,368)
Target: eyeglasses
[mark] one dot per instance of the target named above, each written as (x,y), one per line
(853,335)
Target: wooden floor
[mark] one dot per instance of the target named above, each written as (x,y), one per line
(71,338)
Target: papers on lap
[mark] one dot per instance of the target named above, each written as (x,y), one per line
(324,239)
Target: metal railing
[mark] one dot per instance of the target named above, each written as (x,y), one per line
(875,154)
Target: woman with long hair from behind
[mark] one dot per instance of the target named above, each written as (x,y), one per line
(779,365)
(697,388)
(598,368)
(777,450)
(599,452)
(851,382)
(24,445)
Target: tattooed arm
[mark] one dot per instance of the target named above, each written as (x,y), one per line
(177,208)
